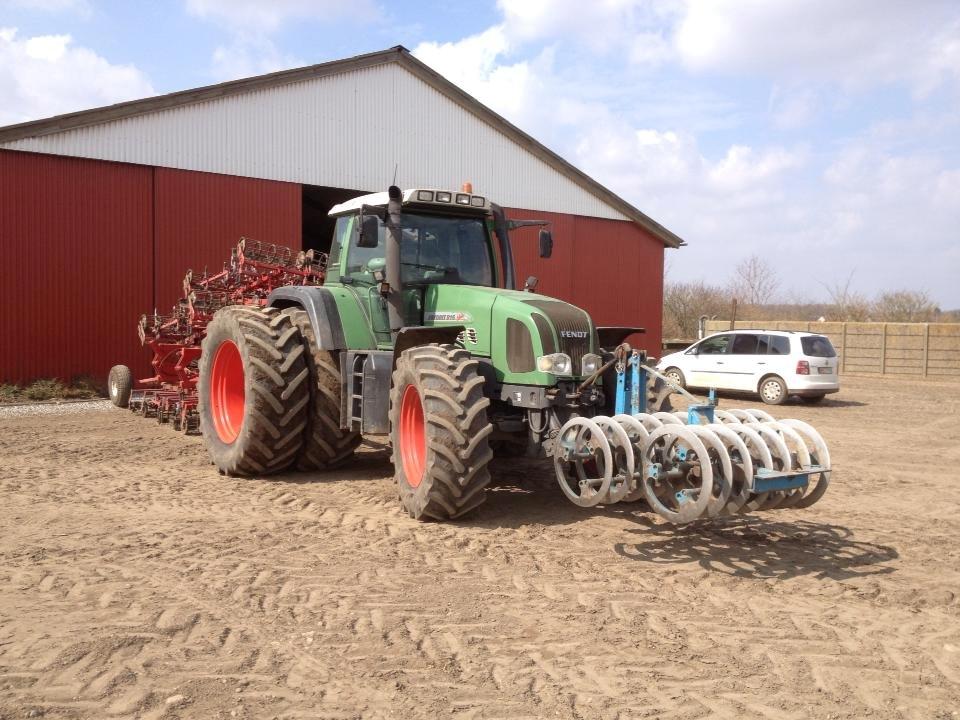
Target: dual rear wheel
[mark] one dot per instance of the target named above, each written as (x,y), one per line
(269,400)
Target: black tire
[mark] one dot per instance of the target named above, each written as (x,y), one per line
(676,375)
(326,445)
(773,390)
(812,399)
(454,449)
(266,368)
(120,385)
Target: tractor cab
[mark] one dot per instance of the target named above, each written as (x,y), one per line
(442,241)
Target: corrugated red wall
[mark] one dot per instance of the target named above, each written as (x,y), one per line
(75,261)
(87,246)
(611,268)
(200,216)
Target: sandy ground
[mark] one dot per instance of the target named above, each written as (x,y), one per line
(136,582)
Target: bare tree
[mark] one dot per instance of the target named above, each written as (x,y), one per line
(684,303)
(847,305)
(905,306)
(755,281)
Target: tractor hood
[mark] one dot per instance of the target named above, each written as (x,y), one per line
(513,328)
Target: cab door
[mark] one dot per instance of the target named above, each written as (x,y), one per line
(706,363)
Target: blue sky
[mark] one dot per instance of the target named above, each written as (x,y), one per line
(821,135)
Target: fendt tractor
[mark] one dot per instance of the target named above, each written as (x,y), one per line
(413,327)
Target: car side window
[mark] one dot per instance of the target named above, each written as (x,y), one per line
(716,345)
(779,345)
(744,345)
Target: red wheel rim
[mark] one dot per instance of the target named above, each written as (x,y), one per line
(227,396)
(413,438)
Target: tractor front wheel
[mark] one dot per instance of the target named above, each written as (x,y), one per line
(253,390)
(440,432)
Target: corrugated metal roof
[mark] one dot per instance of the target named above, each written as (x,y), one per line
(346,123)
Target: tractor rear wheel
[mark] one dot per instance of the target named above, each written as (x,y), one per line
(119,385)
(326,445)
(440,432)
(253,390)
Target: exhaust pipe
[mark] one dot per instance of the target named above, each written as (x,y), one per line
(394,295)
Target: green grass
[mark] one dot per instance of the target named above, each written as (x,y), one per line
(80,387)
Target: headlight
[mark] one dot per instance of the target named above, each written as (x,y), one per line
(591,363)
(557,364)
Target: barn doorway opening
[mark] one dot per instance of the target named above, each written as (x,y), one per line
(317,226)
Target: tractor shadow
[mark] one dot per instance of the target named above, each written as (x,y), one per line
(523,494)
(755,547)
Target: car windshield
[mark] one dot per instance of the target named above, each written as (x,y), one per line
(433,249)
(817,346)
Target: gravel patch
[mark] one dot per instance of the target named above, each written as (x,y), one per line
(66,408)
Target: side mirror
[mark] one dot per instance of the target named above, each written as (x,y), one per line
(531,284)
(546,243)
(369,232)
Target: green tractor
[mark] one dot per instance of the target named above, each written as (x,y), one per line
(418,332)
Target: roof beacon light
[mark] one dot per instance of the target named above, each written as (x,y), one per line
(467,187)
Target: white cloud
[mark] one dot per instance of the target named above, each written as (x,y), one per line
(48,75)
(621,28)
(258,17)
(473,64)
(242,58)
(252,24)
(47,47)
(743,167)
(50,6)
(858,43)
(792,108)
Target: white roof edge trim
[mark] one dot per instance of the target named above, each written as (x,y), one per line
(380,199)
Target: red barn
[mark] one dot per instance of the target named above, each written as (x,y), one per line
(103,211)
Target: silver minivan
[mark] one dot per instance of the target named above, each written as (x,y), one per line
(775,364)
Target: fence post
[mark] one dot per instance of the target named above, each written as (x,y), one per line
(843,345)
(926,346)
(883,351)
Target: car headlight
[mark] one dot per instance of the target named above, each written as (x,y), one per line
(591,363)
(556,364)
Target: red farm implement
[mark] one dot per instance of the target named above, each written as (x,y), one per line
(253,271)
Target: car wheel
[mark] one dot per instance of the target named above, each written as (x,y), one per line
(773,390)
(676,376)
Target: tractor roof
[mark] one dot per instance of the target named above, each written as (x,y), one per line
(442,199)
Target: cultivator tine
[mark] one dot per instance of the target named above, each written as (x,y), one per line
(253,271)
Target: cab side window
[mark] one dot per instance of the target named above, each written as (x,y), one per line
(744,345)
(717,345)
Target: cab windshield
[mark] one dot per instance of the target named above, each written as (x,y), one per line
(433,249)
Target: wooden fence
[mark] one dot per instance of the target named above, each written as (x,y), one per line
(918,349)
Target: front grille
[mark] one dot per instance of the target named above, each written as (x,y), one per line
(569,323)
